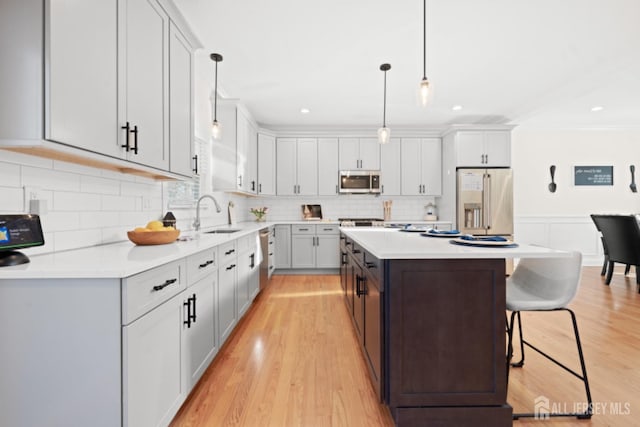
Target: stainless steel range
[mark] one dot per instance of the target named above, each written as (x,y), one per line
(361,222)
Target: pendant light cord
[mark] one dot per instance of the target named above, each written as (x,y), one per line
(215,96)
(384,103)
(424,41)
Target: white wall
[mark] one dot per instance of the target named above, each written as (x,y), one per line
(561,219)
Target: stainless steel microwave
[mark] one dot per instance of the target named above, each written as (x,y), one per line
(360,181)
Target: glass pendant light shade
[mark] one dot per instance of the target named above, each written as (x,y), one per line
(424,91)
(384,133)
(216,130)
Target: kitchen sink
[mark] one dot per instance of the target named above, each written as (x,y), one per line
(223,231)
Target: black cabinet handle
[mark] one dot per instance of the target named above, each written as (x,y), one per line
(187,320)
(135,139)
(127,129)
(193,314)
(206,264)
(303,229)
(230,251)
(195,161)
(253,186)
(165,284)
(270,253)
(356,251)
(231,267)
(252,260)
(344,258)
(260,188)
(371,265)
(361,286)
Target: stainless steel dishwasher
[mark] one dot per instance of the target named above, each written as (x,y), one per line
(264,264)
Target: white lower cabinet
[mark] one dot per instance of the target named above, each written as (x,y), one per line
(248,283)
(315,246)
(282,243)
(227,279)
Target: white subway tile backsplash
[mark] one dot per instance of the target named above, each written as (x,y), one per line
(137,188)
(9,174)
(26,160)
(92,184)
(98,219)
(118,203)
(60,221)
(50,179)
(75,202)
(11,200)
(65,240)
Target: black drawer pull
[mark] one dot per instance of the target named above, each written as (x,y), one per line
(328,229)
(165,284)
(356,251)
(206,264)
(230,251)
(231,267)
(303,229)
(371,265)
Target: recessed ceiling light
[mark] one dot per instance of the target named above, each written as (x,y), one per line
(305,110)
(597,108)
(456,107)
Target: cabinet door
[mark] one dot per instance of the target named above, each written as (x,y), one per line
(390,166)
(431,158)
(199,334)
(328,251)
(282,236)
(252,158)
(244,293)
(369,154)
(303,251)
(470,148)
(286,183)
(242,144)
(227,316)
(82,88)
(498,148)
(266,165)
(411,164)
(328,167)
(373,330)
(307,166)
(145,62)
(152,385)
(349,156)
(180,104)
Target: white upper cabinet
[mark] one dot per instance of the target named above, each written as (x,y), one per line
(235,158)
(390,176)
(144,88)
(266,165)
(328,168)
(181,148)
(83,75)
(359,153)
(297,166)
(483,148)
(421,170)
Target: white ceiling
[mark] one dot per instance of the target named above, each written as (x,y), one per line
(531,63)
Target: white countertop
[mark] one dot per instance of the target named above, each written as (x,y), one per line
(385,243)
(122,259)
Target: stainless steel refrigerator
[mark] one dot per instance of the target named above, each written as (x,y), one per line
(485,201)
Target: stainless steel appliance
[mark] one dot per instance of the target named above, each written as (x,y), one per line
(361,222)
(485,201)
(359,182)
(265,234)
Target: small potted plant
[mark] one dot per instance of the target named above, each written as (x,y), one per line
(260,212)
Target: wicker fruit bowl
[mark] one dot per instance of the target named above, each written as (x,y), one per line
(153,237)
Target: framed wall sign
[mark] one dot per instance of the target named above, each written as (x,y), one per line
(593,175)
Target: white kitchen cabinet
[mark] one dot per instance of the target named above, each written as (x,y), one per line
(199,301)
(248,283)
(282,243)
(266,165)
(227,288)
(359,153)
(328,167)
(390,167)
(143,84)
(483,148)
(83,75)
(315,246)
(182,159)
(234,162)
(297,166)
(421,166)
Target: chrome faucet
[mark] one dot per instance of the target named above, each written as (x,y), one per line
(196,223)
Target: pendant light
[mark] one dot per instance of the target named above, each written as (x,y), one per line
(216,130)
(384,133)
(424,83)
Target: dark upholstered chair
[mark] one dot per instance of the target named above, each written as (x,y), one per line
(621,237)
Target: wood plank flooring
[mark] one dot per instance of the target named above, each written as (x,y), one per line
(294,361)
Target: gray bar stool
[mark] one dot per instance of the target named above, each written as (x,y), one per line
(543,285)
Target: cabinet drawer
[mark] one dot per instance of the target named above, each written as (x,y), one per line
(226,252)
(328,229)
(145,291)
(248,243)
(201,264)
(303,229)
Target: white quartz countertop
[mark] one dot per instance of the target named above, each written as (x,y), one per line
(384,243)
(122,259)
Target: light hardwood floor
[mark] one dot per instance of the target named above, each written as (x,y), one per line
(294,361)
